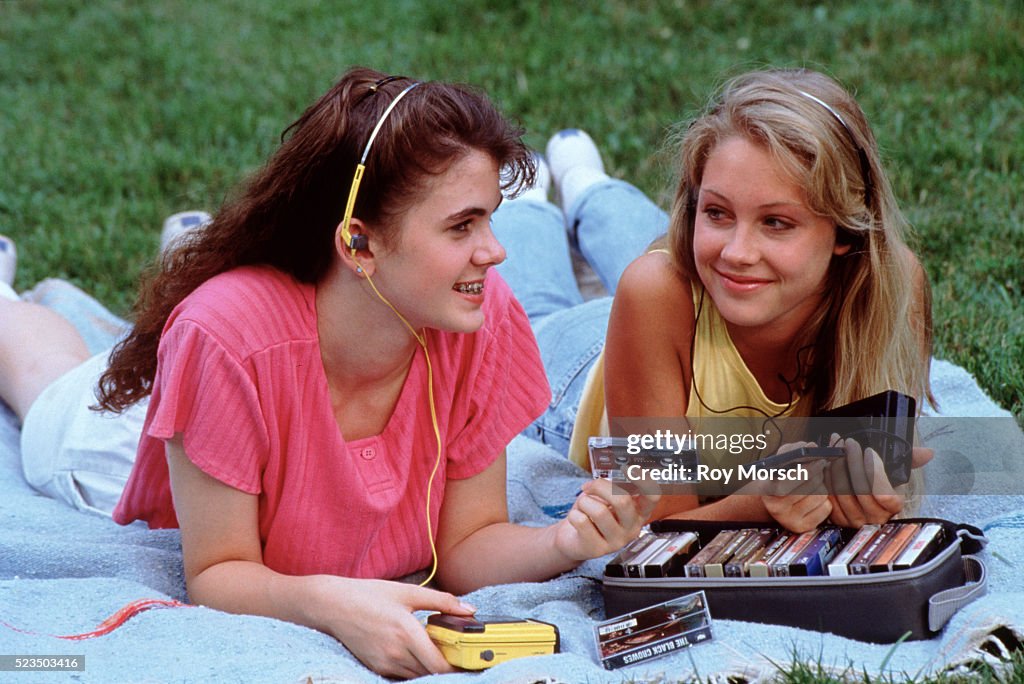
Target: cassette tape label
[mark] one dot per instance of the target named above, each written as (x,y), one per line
(653,631)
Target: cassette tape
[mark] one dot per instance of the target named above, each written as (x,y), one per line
(610,459)
(654,631)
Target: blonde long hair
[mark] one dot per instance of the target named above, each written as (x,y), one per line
(863,340)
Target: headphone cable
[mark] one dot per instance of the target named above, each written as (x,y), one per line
(421,339)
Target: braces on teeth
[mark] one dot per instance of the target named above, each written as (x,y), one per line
(470,288)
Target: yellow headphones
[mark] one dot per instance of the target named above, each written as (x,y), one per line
(358,242)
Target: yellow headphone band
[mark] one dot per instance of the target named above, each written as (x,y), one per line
(350,204)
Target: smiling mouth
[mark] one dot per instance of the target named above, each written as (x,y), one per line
(475,288)
(742,280)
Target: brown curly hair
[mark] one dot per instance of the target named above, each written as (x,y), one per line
(286,215)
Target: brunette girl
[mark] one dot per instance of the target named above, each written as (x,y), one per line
(326,378)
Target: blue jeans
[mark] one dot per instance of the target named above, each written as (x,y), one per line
(612,224)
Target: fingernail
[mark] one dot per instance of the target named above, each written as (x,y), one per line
(468,607)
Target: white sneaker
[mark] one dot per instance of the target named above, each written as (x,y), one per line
(575,163)
(572,147)
(8,260)
(181,224)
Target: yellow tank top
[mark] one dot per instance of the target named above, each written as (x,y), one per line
(723,379)
(720,374)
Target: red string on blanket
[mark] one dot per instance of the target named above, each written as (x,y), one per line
(111,623)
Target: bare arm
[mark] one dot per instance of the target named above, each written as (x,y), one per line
(477,545)
(224,569)
(647,365)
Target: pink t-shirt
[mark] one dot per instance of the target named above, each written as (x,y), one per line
(240,376)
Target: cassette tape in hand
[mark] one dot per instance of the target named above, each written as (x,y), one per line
(610,458)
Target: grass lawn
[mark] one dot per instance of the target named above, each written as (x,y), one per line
(114,114)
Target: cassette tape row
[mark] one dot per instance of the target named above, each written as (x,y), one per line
(771,552)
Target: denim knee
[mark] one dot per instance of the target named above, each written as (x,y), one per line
(570,342)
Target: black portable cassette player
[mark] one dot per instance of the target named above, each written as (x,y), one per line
(884,422)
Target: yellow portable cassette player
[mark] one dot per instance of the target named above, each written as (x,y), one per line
(479,642)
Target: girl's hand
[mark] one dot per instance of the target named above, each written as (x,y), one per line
(603,519)
(224,569)
(797,505)
(859,488)
(374,619)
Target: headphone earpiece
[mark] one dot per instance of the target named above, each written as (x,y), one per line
(358,242)
(353,242)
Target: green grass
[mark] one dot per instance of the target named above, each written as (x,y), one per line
(115,114)
(821,668)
